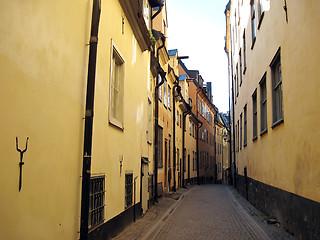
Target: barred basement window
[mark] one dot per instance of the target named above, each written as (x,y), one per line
(96,202)
(129,189)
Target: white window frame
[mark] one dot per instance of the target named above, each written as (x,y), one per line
(115,54)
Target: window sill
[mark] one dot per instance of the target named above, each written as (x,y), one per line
(263,132)
(254,138)
(253,42)
(244,145)
(244,70)
(116,123)
(277,123)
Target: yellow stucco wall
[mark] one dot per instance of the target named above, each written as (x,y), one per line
(287,156)
(43,61)
(112,144)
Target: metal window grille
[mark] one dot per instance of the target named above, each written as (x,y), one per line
(129,189)
(97,199)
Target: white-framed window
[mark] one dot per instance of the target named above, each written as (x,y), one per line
(277,105)
(244,52)
(245,126)
(177,117)
(253,22)
(159,78)
(169,97)
(165,96)
(263,5)
(117,79)
(263,105)
(254,115)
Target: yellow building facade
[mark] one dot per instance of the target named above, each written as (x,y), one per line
(44,61)
(272,61)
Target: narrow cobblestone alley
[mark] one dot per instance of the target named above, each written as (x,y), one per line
(213,212)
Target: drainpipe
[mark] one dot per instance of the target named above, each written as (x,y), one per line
(156,127)
(198,154)
(215,151)
(176,86)
(157,13)
(233,124)
(198,157)
(87,145)
(183,144)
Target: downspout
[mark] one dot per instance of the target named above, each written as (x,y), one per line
(233,124)
(156,128)
(215,151)
(183,144)
(198,155)
(157,13)
(176,86)
(87,145)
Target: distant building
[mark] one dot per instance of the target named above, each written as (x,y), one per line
(273,55)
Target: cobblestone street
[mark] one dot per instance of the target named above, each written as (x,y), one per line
(206,212)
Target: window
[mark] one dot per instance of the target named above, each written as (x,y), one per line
(190,125)
(178,117)
(240,60)
(180,122)
(244,52)
(129,188)
(238,136)
(149,125)
(160,87)
(240,130)
(237,79)
(245,126)
(193,163)
(96,201)
(263,5)
(254,114)
(192,129)
(169,97)
(263,105)
(160,147)
(178,162)
(165,98)
(253,22)
(117,75)
(277,108)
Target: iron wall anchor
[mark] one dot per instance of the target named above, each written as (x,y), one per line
(21,163)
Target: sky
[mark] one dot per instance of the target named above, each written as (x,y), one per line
(197,29)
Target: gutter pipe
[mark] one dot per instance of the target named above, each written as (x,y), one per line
(183,143)
(87,145)
(156,127)
(176,86)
